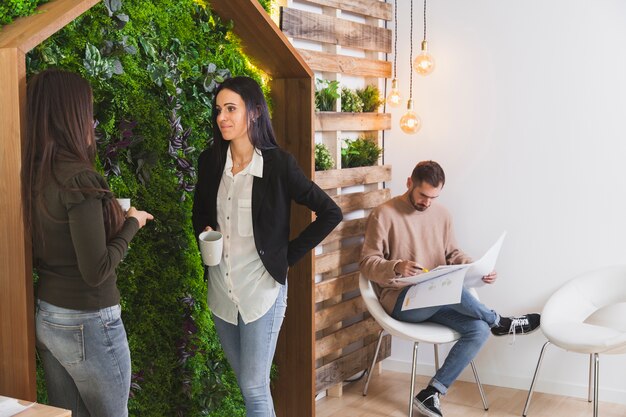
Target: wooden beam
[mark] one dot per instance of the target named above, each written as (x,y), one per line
(347,229)
(27,32)
(339,312)
(345,336)
(348,365)
(347,177)
(327,29)
(17,330)
(360,67)
(331,121)
(342,257)
(332,287)
(262,40)
(371,8)
(362,201)
(294,390)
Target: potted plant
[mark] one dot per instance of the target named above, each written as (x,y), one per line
(370,97)
(359,153)
(326,94)
(350,101)
(323,158)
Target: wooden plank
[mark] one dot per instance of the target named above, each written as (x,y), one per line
(362,201)
(342,284)
(262,41)
(40,410)
(27,32)
(345,336)
(342,257)
(294,390)
(339,312)
(347,229)
(328,29)
(348,365)
(343,64)
(329,121)
(17,324)
(371,8)
(347,177)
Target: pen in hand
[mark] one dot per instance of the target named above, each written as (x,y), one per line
(408,268)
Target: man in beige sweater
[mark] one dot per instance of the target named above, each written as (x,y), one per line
(409,234)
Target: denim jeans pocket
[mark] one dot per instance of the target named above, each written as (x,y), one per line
(65,342)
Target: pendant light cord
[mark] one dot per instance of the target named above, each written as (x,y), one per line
(395,36)
(411,56)
(424,19)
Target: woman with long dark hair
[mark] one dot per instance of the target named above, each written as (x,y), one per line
(246,184)
(80,234)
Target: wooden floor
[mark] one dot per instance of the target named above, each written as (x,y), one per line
(388,397)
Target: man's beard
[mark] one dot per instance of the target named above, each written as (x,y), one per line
(416,206)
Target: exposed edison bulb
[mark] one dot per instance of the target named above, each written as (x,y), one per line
(424,63)
(394,98)
(410,122)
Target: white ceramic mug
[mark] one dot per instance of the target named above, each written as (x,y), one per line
(124,203)
(211,244)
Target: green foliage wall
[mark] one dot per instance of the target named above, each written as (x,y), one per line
(11,9)
(153,65)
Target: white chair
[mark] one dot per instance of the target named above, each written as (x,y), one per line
(586,315)
(415,332)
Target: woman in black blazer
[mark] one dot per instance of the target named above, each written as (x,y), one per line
(246,184)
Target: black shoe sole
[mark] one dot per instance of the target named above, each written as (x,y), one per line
(516,334)
(425,411)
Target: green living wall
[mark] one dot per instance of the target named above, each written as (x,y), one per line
(153,65)
(12,9)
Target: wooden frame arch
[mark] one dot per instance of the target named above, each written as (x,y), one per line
(292,95)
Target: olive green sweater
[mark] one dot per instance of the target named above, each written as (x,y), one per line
(76,265)
(397,232)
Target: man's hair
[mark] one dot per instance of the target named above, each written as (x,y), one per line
(428,171)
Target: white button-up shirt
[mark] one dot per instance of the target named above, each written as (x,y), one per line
(240,284)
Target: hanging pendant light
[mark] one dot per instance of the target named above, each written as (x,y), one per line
(424,63)
(394,98)
(410,122)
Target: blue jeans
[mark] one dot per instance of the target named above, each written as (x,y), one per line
(250,349)
(86,359)
(470,318)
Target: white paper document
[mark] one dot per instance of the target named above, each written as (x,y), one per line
(443,284)
(10,406)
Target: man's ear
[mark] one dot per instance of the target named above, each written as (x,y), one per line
(409,183)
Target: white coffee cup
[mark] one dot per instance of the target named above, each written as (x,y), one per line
(211,244)
(124,203)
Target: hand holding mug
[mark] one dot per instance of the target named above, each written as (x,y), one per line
(141,216)
(211,245)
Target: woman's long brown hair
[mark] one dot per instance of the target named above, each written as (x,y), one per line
(60,122)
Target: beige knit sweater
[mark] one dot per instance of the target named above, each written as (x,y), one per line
(396,232)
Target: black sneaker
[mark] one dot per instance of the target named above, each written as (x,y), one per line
(517,325)
(427,403)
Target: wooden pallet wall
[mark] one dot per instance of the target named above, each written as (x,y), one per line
(345,333)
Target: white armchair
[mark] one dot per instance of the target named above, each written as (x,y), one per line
(586,315)
(415,332)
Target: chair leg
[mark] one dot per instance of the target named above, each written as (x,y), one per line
(436,347)
(532,384)
(370,371)
(590,386)
(413,369)
(596,377)
(480,386)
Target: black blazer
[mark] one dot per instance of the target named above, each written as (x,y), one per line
(282,182)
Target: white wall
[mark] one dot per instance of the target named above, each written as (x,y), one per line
(526,112)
